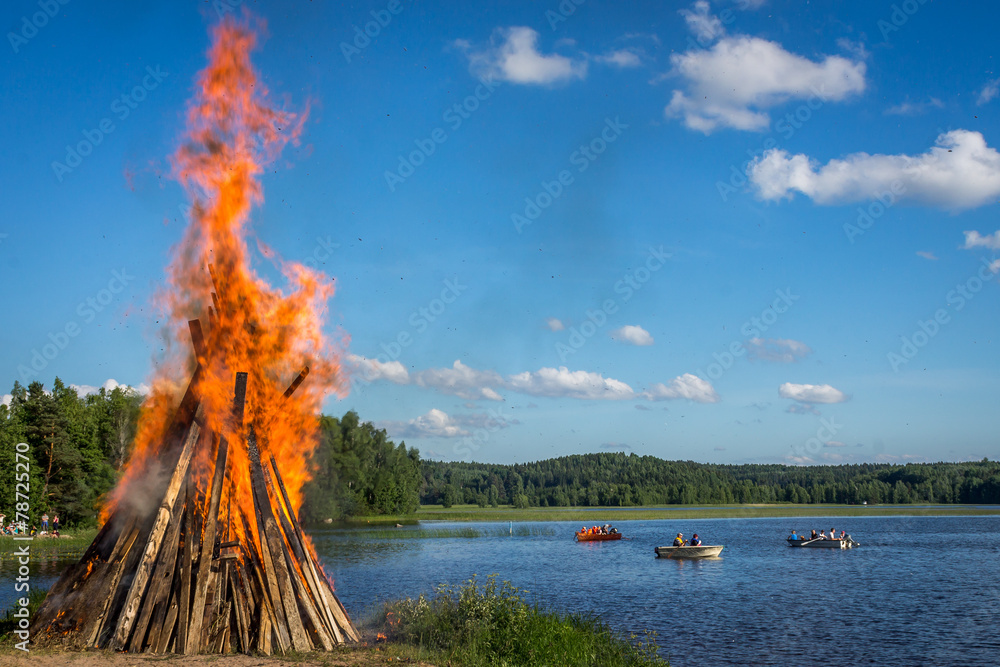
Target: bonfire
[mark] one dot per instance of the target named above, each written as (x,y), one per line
(200,549)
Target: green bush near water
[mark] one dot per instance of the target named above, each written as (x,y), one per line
(492,625)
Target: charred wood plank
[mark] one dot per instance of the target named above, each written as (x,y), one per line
(149,557)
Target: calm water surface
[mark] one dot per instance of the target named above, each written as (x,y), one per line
(920,590)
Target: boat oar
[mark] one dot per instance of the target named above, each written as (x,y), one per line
(670,555)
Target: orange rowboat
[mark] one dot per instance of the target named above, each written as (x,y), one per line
(597,537)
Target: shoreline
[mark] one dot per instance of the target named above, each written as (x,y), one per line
(473,513)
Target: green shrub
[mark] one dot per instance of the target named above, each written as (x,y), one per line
(492,625)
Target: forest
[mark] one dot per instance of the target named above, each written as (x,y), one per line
(79,445)
(616,479)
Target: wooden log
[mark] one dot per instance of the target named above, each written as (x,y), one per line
(155,540)
(212,519)
(161,642)
(297,567)
(276,547)
(191,536)
(305,557)
(161,578)
(296,382)
(270,600)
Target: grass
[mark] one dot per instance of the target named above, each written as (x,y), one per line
(46,547)
(465,532)
(8,623)
(602,515)
(491,625)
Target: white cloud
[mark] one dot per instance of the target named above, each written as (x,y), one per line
(704,25)
(686,386)
(373,369)
(439,424)
(989,91)
(926,255)
(781,350)
(621,58)
(109,385)
(472,384)
(800,409)
(734,83)
(909,108)
(462,381)
(554,324)
(811,393)
(516,59)
(561,382)
(974,239)
(6,400)
(434,424)
(633,335)
(960,172)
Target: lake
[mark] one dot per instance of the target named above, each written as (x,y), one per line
(920,590)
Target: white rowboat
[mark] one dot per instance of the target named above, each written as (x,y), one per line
(706,551)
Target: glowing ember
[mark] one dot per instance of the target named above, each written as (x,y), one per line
(232,134)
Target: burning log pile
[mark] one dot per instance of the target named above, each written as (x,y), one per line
(191,575)
(200,548)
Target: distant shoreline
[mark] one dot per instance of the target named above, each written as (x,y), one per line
(465,513)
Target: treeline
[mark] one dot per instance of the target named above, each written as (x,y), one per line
(358,471)
(630,480)
(78,446)
(76,449)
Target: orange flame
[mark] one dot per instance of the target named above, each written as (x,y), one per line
(232,135)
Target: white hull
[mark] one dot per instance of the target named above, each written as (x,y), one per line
(706,551)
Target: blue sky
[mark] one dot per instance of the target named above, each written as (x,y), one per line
(737,231)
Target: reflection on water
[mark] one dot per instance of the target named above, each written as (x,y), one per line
(918,591)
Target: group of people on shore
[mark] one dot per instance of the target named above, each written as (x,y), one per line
(606,529)
(24,529)
(820,536)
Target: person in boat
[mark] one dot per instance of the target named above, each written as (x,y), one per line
(822,535)
(695,542)
(794,536)
(833,534)
(814,536)
(842,534)
(679,540)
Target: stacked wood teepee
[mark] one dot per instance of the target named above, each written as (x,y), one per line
(189,576)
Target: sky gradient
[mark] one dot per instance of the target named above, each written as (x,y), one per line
(737,231)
